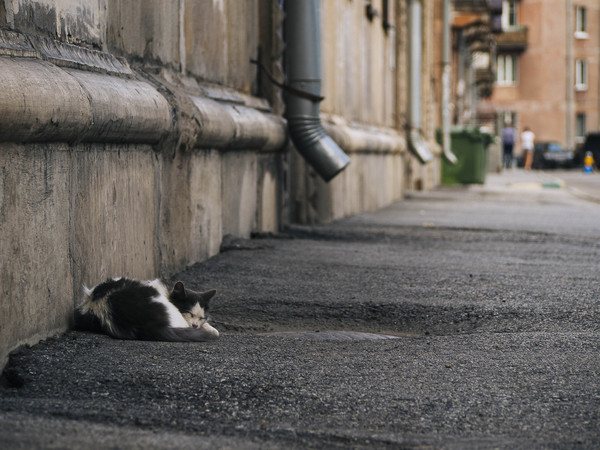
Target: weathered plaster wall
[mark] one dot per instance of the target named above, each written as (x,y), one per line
(190,209)
(211,40)
(74,215)
(365,82)
(73,21)
(144,29)
(35,271)
(359,63)
(113,212)
(219,39)
(77,214)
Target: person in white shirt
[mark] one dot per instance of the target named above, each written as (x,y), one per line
(527,142)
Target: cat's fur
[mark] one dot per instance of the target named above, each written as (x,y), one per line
(146,310)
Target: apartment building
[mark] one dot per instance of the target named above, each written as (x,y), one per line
(547,68)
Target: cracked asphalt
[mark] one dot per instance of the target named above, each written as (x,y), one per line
(466,317)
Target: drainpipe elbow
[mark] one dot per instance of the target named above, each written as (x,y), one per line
(418,146)
(303,46)
(319,150)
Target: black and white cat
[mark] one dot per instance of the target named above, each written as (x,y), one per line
(146,310)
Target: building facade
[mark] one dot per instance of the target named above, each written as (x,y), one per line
(136,134)
(547,65)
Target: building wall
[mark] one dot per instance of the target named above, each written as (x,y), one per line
(542,90)
(588,48)
(134,135)
(545,97)
(359,70)
(121,154)
(359,63)
(365,82)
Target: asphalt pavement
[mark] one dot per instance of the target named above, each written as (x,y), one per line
(464,317)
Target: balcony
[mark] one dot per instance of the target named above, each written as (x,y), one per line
(472,6)
(512,39)
(484,79)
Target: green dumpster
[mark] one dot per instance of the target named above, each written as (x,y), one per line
(470,147)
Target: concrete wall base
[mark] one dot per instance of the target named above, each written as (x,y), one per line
(75,215)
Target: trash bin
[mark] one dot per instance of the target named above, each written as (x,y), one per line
(470,147)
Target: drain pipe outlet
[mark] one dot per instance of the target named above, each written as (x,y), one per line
(303,51)
(416,142)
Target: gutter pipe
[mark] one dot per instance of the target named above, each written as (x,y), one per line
(303,47)
(451,157)
(416,143)
(570,94)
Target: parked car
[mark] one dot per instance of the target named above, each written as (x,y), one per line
(549,155)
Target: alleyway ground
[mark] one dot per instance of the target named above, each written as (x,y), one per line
(489,292)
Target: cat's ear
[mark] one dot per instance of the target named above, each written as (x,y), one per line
(178,289)
(206,296)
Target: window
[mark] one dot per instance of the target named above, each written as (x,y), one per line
(510,18)
(508,118)
(580,128)
(506,70)
(580,75)
(581,22)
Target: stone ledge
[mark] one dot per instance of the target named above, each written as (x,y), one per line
(230,126)
(41,102)
(215,117)
(62,92)
(58,92)
(359,138)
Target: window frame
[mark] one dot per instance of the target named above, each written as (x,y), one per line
(580,127)
(510,10)
(581,75)
(581,29)
(502,70)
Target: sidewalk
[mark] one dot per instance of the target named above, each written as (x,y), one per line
(586,186)
(467,317)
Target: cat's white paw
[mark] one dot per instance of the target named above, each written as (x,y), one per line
(212,330)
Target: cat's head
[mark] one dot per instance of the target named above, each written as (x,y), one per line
(192,305)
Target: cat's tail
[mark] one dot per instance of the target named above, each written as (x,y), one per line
(170,334)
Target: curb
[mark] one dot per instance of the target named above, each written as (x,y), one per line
(583,195)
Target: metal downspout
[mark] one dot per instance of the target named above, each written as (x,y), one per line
(303,47)
(416,142)
(451,157)
(570,94)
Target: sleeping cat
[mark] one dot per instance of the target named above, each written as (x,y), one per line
(146,310)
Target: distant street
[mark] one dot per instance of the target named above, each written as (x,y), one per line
(466,317)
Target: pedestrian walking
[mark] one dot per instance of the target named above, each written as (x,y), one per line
(508,142)
(527,143)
